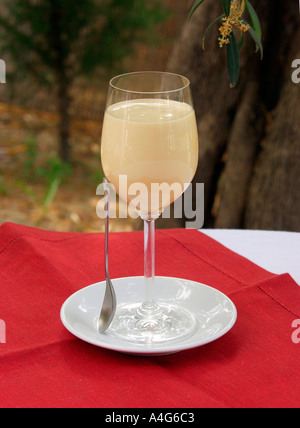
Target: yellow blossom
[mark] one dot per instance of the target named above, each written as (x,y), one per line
(233,20)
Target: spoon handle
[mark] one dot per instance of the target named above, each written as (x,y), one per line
(107,194)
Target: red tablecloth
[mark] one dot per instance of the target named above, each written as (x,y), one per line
(42,365)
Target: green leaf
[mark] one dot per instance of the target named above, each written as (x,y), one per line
(257,41)
(195,7)
(233,60)
(256,38)
(226,4)
(209,28)
(51,192)
(241,42)
(254,19)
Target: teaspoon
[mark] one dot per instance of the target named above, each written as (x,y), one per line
(109,303)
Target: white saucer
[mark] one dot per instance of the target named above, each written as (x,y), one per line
(215,313)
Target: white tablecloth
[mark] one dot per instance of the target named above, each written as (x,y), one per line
(277,252)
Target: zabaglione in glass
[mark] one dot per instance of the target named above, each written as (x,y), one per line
(150,137)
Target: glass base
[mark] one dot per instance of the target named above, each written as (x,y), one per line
(152,324)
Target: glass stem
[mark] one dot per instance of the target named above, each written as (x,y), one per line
(149,264)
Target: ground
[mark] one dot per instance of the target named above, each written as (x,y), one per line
(30,173)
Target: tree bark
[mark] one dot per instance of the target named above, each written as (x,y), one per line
(243,144)
(274,200)
(243,151)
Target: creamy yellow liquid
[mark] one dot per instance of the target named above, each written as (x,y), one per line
(150,141)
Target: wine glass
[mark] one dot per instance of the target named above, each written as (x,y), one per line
(149,152)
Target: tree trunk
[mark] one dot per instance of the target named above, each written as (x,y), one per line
(63,78)
(242,150)
(274,200)
(214,101)
(243,142)
(64,101)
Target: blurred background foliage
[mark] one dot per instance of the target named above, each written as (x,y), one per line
(60,55)
(55,42)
